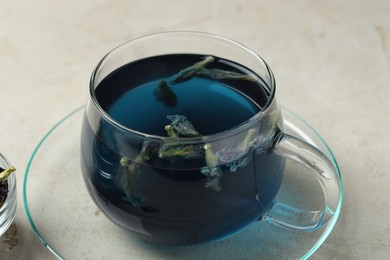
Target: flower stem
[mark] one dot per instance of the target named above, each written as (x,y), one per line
(4,174)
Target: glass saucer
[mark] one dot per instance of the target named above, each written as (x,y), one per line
(68,223)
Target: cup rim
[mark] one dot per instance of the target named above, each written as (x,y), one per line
(185,140)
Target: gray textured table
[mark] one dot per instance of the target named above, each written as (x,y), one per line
(331,60)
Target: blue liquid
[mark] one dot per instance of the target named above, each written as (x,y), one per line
(178,208)
(206,103)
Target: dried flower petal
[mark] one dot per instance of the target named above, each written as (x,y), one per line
(182,126)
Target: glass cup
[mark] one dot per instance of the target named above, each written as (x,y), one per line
(186,200)
(8,209)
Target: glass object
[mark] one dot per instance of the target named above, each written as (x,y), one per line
(8,208)
(55,163)
(220,163)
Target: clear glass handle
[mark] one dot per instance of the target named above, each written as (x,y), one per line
(321,167)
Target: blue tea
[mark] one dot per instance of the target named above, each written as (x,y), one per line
(171,193)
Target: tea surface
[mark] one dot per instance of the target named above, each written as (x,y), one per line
(210,104)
